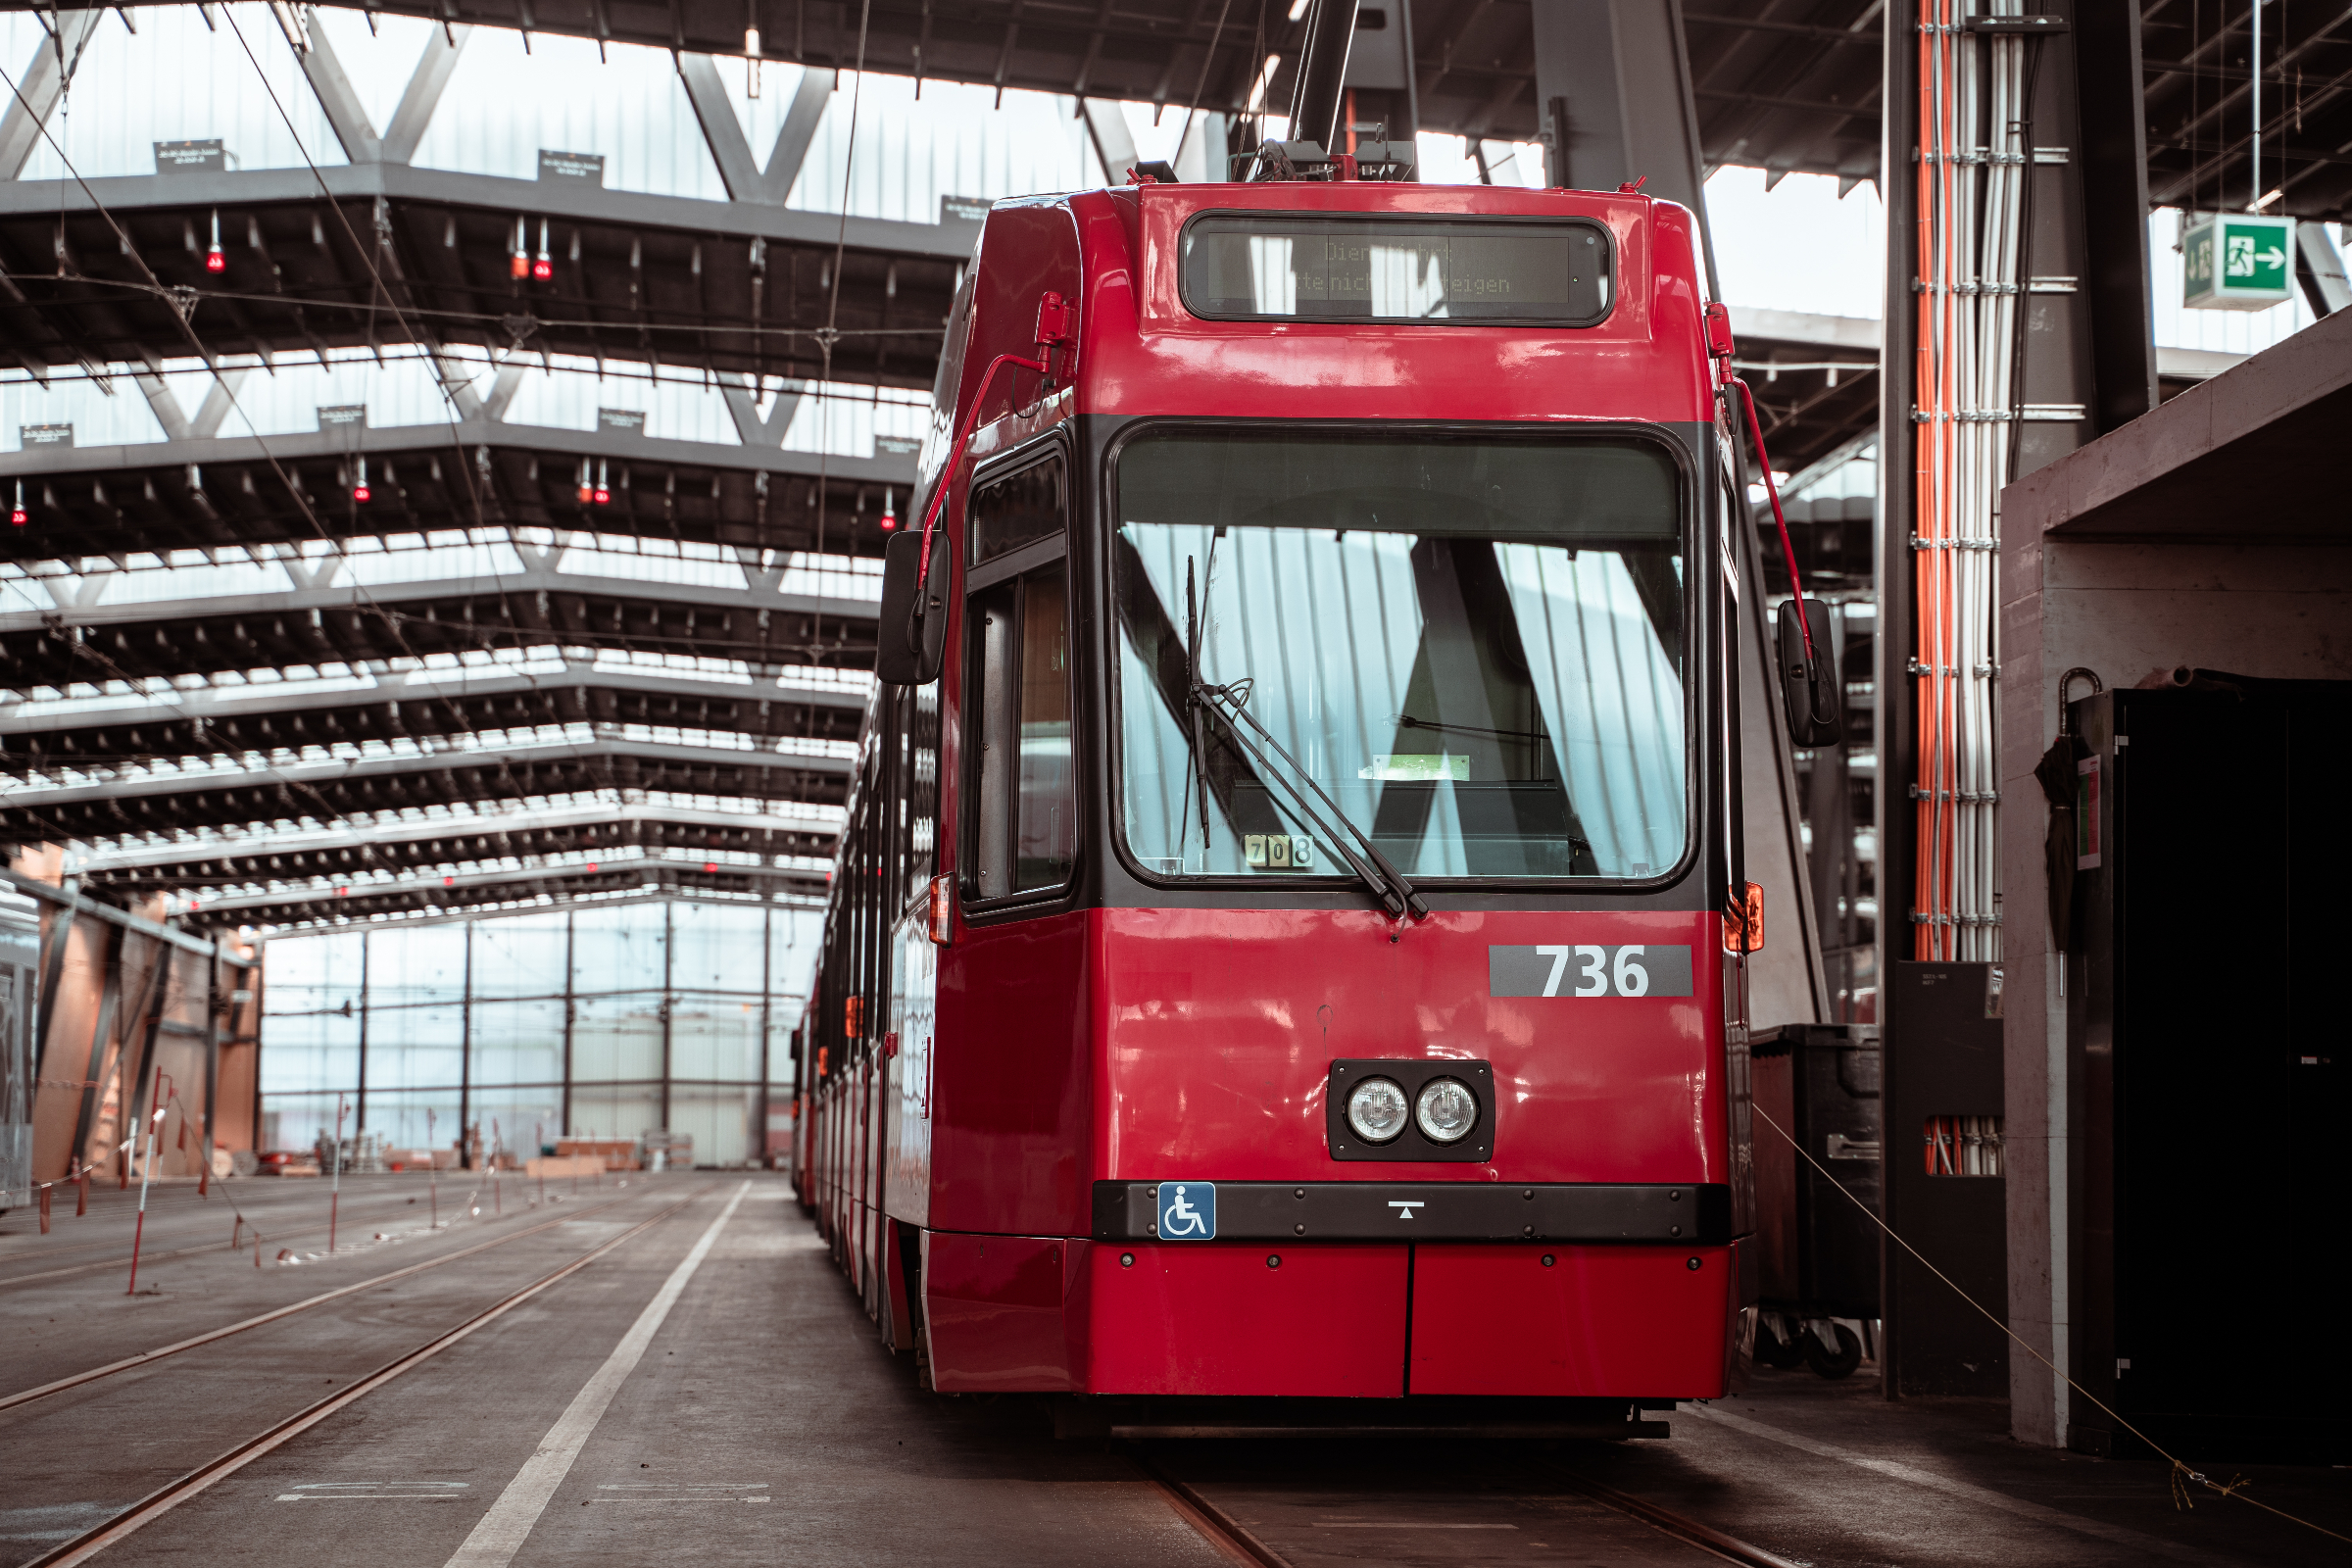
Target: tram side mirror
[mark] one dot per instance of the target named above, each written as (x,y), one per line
(911,639)
(1812,688)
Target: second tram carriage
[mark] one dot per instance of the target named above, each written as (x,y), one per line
(1290,935)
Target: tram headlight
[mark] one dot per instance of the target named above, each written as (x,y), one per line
(1447,1111)
(1376,1110)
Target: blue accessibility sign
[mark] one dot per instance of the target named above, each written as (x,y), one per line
(1188,1212)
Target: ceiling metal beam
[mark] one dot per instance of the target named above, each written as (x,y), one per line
(303,920)
(81,904)
(33,796)
(497,434)
(161,857)
(755,593)
(226,704)
(620,868)
(124,194)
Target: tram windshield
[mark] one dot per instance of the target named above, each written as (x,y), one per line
(1471,645)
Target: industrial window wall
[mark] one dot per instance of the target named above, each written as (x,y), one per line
(654,1017)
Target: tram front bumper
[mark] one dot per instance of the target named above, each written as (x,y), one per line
(1332,1319)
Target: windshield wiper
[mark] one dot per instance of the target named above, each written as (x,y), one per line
(1388,884)
(1192,697)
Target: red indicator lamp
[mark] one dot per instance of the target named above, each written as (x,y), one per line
(519,261)
(603,493)
(710,866)
(890,511)
(18,516)
(543,267)
(215,262)
(359,491)
(587,490)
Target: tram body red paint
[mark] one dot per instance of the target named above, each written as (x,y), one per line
(1222,1319)
(1114,1034)
(1219,1027)
(1006,1312)
(1597,1322)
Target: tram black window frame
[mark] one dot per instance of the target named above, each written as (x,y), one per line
(1270,222)
(1699,534)
(998,594)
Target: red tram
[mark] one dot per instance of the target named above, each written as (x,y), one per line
(1290,936)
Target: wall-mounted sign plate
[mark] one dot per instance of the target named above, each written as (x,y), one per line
(588,168)
(205,157)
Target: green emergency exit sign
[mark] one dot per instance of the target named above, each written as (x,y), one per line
(2239,262)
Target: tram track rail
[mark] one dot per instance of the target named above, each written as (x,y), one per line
(129,1363)
(1246,1550)
(1729,1548)
(84,1546)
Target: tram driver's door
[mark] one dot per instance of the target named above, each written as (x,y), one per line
(1022,844)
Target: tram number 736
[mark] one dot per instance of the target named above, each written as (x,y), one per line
(1589,969)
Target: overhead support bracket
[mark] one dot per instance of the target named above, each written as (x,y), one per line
(1106,128)
(2321,271)
(434,67)
(722,132)
(341,102)
(755,428)
(42,84)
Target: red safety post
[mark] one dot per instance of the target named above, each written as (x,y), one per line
(155,1128)
(81,1173)
(334,1181)
(236,1233)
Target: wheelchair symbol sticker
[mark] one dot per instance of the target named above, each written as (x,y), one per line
(1188,1212)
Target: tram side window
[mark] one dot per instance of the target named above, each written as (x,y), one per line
(1026,828)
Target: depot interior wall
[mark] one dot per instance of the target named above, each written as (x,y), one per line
(127,1021)
(2132,612)
(655,1015)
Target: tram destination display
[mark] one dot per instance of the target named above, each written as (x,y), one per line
(1462,272)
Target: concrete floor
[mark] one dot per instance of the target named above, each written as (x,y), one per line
(764,1423)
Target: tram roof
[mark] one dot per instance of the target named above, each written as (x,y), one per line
(1141,351)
